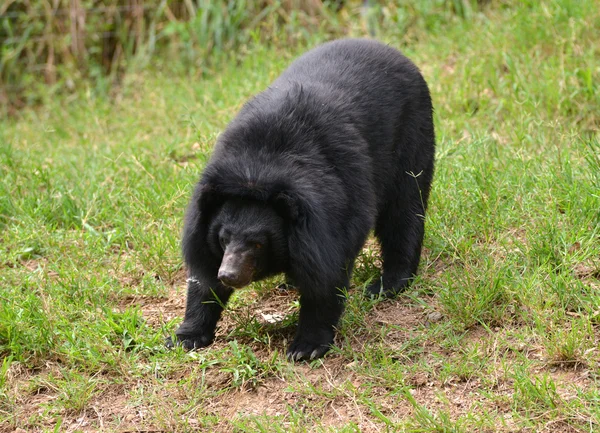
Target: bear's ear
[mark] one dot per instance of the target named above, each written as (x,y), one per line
(207,199)
(286,205)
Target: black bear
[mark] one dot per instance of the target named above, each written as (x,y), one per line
(341,143)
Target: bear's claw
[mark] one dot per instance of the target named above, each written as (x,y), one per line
(303,350)
(188,342)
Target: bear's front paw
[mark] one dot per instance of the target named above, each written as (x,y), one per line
(308,349)
(189,342)
(376,289)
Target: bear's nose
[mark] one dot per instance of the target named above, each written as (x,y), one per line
(227,277)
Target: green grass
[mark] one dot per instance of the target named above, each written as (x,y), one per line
(499,332)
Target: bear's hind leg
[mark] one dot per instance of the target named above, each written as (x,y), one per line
(400,228)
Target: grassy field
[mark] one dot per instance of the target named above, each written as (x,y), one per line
(499,332)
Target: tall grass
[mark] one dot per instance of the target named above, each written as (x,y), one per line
(48,47)
(61,43)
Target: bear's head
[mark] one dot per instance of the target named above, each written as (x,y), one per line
(250,237)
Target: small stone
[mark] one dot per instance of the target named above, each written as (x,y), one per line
(419,379)
(434,316)
(272,318)
(521,347)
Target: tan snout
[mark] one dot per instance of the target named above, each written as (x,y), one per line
(237,268)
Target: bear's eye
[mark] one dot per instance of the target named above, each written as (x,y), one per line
(223,241)
(258,245)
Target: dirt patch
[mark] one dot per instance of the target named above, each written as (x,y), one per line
(398,313)
(331,395)
(337,392)
(158,310)
(589,273)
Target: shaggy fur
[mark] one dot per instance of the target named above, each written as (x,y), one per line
(341,143)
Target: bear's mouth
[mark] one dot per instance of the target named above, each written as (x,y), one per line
(235,284)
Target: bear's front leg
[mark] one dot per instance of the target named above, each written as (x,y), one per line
(319,314)
(206,299)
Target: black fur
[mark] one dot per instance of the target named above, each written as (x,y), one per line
(341,143)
